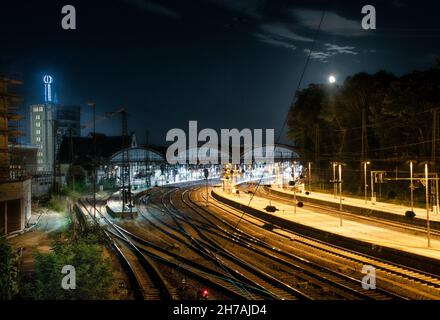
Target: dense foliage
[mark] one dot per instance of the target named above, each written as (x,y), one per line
(398,116)
(93,271)
(9,284)
(381,118)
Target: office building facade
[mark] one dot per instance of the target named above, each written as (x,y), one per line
(42,135)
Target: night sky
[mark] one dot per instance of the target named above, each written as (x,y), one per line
(225,63)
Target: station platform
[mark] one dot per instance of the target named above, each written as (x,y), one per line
(115,209)
(373,238)
(355,202)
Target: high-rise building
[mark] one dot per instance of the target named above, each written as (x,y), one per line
(42,133)
(68,121)
(49,123)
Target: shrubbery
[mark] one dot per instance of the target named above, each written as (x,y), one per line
(9,284)
(93,272)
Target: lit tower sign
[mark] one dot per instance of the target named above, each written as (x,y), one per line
(48,80)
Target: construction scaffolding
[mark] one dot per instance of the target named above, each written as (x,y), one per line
(9,104)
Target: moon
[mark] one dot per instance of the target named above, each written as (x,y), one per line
(332,79)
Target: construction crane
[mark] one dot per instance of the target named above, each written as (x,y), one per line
(107,116)
(125,168)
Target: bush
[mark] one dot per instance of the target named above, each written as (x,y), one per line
(410,214)
(57,203)
(93,272)
(271,209)
(8,271)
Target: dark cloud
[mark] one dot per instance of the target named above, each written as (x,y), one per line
(332,23)
(155,8)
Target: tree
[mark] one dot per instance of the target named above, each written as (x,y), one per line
(370,116)
(303,116)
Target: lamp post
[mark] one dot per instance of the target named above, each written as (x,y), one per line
(340,193)
(310,176)
(335,191)
(411,185)
(294,199)
(427,206)
(365,180)
(93,105)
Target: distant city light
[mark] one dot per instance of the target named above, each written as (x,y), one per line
(48,80)
(332,79)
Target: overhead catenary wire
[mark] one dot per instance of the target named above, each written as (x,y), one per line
(306,64)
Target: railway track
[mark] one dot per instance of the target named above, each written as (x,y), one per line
(146,278)
(234,289)
(229,262)
(312,272)
(322,248)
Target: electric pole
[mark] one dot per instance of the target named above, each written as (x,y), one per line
(93,105)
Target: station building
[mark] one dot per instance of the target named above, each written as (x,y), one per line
(143,166)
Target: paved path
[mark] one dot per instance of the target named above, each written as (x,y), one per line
(38,240)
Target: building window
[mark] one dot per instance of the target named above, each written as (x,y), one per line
(37,124)
(38,131)
(38,139)
(35,109)
(40,161)
(40,109)
(37,117)
(40,154)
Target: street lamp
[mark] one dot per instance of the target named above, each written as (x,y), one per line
(411,184)
(93,105)
(365,179)
(335,188)
(340,192)
(427,206)
(310,177)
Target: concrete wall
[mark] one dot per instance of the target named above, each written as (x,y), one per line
(15,205)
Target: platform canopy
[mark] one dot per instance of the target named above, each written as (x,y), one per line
(137,154)
(281,152)
(201,154)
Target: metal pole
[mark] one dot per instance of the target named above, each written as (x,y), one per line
(365,180)
(294,199)
(372,186)
(94,161)
(310,176)
(207,193)
(427,206)
(334,181)
(340,194)
(436,193)
(411,186)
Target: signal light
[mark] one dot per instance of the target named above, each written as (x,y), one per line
(205,293)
